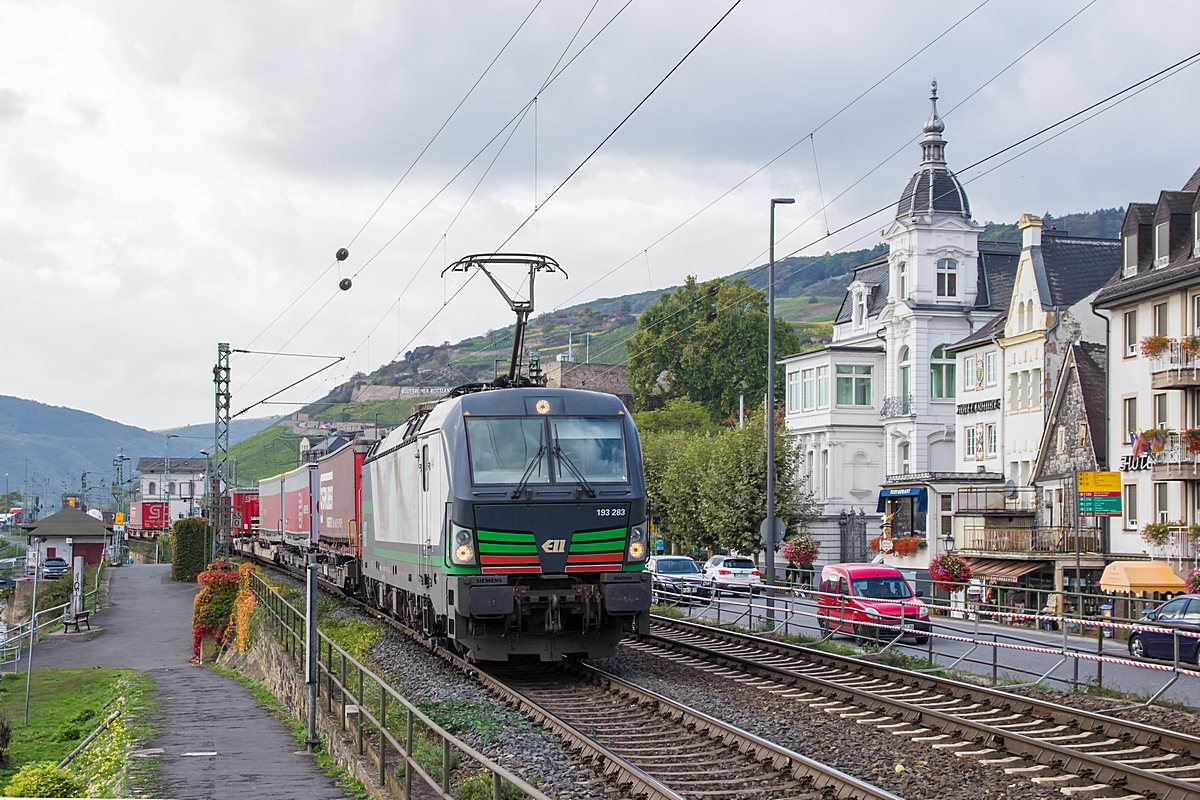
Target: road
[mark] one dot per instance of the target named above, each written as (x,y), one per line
(797,616)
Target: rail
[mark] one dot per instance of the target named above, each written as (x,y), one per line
(996,539)
(900,405)
(995,499)
(345,683)
(794,612)
(1178,360)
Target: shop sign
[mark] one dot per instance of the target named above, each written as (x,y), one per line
(979,407)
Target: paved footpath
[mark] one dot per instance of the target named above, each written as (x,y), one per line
(148,628)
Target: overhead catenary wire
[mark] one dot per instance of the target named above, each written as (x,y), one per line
(780,155)
(524,109)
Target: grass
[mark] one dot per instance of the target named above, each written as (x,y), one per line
(64,706)
(356,638)
(269,452)
(324,761)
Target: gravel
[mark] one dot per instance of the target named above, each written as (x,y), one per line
(859,750)
(1169,717)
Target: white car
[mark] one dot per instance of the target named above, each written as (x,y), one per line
(732,571)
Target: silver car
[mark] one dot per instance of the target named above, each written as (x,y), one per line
(678,579)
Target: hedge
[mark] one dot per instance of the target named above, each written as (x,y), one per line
(190,537)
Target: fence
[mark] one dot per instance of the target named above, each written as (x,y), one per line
(794,611)
(995,539)
(343,683)
(16,639)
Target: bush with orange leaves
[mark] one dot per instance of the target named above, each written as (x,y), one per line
(243,607)
(213,606)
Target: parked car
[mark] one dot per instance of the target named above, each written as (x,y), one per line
(1179,614)
(54,567)
(732,571)
(678,579)
(858,598)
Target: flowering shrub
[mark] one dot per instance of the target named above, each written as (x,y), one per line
(901,545)
(1191,439)
(213,607)
(243,607)
(948,571)
(800,549)
(1154,346)
(1157,534)
(44,779)
(1190,344)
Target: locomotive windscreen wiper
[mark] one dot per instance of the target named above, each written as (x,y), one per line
(558,452)
(533,462)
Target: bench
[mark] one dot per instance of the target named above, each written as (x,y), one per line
(82,618)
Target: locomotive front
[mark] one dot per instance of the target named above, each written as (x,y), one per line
(547,525)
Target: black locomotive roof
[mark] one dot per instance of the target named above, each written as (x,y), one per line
(519,402)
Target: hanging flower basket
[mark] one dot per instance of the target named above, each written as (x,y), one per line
(1157,534)
(1155,346)
(907,545)
(800,549)
(1191,439)
(949,572)
(1190,345)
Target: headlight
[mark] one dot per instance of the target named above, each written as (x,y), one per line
(922,612)
(638,533)
(463,541)
(637,542)
(871,612)
(637,551)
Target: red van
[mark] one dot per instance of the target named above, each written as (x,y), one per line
(854,595)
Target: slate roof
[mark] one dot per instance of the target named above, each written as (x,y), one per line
(178,465)
(1090,364)
(996,271)
(68,522)
(1193,184)
(1182,268)
(936,189)
(1076,266)
(993,327)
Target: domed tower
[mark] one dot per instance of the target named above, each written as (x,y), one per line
(933,240)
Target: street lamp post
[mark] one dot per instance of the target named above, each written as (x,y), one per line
(37,546)
(770,559)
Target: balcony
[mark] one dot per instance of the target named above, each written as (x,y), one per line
(991,501)
(985,539)
(1176,461)
(900,405)
(1176,368)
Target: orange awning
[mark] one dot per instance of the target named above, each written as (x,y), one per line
(1136,577)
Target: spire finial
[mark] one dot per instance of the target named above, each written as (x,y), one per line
(934,124)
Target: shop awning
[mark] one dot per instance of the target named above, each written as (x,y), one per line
(999,570)
(1136,577)
(919,492)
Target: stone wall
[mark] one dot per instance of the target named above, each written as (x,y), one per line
(268,664)
(610,378)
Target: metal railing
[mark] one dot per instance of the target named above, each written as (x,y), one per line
(1176,359)
(16,639)
(986,538)
(1176,454)
(985,499)
(900,405)
(794,612)
(348,688)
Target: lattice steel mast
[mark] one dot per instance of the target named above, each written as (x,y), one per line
(218,490)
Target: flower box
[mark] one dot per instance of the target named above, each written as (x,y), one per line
(1155,346)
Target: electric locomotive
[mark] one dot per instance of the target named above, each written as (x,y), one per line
(511,522)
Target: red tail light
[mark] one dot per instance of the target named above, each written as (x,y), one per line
(755,572)
(724,572)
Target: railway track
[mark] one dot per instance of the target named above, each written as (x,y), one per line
(1082,753)
(647,744)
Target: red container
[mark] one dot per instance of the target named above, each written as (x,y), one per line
(245,517)
(148,516)
(300,505)
(339,495)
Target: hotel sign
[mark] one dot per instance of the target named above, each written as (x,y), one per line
(1136,463)
(979,407)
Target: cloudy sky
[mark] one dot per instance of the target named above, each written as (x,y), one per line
(173,175)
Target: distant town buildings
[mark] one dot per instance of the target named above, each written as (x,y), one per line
(182,484)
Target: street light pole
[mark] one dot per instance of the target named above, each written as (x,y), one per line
(37,545)
(770,559)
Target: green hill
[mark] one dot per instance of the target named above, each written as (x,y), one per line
(269,452)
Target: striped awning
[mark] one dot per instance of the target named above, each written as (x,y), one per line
(998,570)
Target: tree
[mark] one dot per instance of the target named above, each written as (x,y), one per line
(10,500)
(706,342)
(710,490)
(678,414)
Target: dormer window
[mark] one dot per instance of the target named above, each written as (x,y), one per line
(860,309)
(947,278)
(1131,256)
(903,281)
(1162,245)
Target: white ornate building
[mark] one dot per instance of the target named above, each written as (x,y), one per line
(875,410)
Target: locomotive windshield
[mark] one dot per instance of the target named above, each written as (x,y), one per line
(505,450)
(509,449)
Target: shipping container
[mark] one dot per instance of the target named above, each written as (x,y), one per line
(300,506)
(339,506)
(147,516)
(270,508)
(244,518)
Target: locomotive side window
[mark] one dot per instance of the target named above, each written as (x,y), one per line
(593,445)
(424,468)
(503,449)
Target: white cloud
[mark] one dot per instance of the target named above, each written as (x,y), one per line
(172,175)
